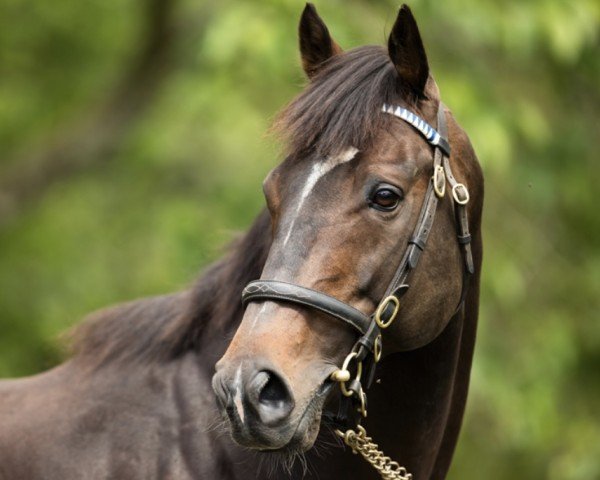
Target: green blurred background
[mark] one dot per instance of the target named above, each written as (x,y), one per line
(133,146)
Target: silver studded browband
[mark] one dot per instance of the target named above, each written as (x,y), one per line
(430,133)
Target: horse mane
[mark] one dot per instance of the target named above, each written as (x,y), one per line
(341,106)
(165,327)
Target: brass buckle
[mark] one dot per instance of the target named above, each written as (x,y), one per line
(382,306)
(377,348)
(439,181)
(463,197)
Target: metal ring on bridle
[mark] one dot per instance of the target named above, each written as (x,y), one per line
(457,197)
(343,374)
(377,348)
(363,403)
(439,181)
(380,309)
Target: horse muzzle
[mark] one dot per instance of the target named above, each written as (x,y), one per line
(261,410)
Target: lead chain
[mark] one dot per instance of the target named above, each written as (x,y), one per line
(359,442)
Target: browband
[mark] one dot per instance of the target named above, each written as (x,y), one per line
(433,137)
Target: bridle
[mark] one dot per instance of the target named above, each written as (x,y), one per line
(367,350)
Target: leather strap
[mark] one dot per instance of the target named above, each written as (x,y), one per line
(462,220)
(260,290)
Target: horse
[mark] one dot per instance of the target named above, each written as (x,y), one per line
(359,278)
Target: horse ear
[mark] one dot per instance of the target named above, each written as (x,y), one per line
(316,45)
(406,50)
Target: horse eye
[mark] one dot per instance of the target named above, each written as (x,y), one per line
(385,198)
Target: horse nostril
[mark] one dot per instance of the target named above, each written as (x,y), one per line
(275,402)
(274,393)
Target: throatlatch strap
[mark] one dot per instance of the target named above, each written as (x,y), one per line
(460,196)
(287,292)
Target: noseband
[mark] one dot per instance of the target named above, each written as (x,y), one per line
(368,349)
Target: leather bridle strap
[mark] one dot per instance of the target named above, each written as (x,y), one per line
(418,240)
(460,195)
(287,292)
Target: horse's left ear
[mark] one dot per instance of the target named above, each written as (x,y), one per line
(316,45)
(406,50)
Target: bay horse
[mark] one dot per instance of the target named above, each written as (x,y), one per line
(368,260)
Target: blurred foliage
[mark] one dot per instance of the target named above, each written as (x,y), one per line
(522,77)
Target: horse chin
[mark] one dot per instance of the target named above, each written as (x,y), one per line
(302,441)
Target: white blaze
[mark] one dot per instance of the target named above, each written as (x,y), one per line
(237,397)
(319,169)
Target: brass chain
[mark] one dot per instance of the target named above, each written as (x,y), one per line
(359,442)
